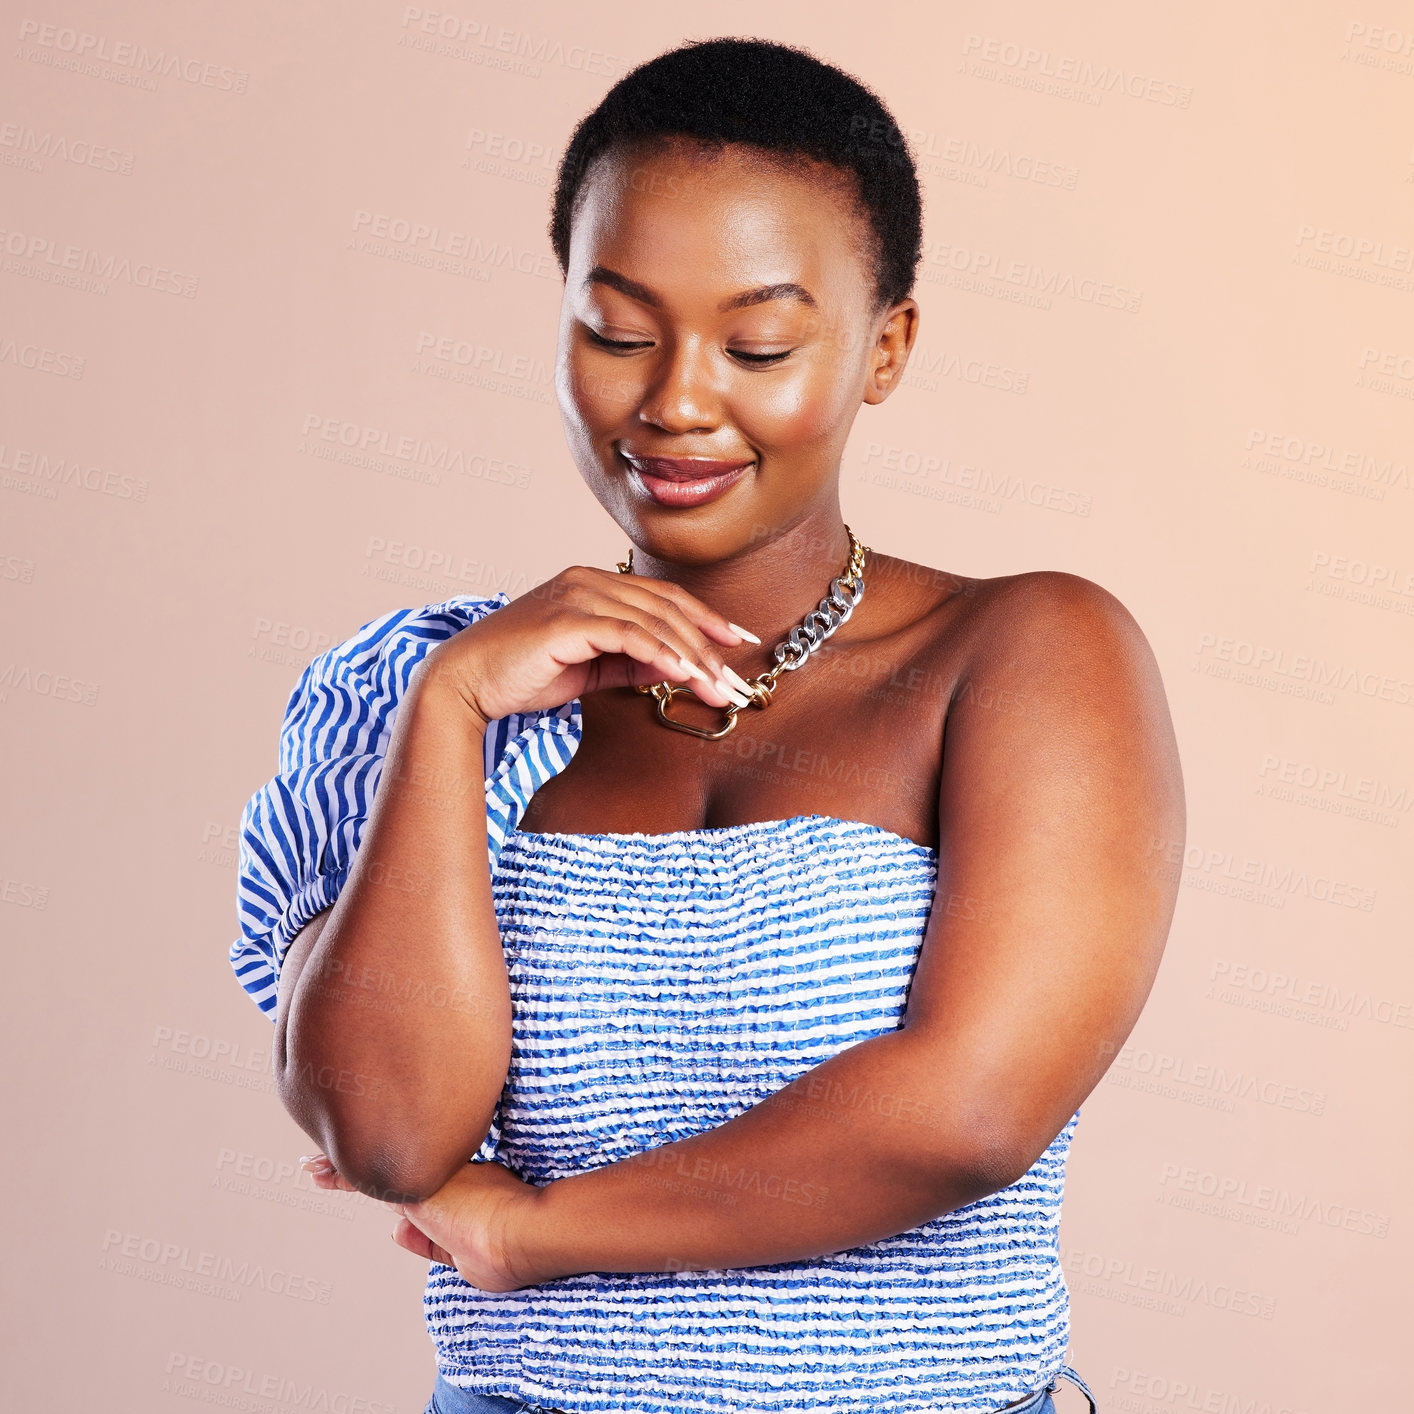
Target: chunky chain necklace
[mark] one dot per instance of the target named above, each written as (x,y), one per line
(846,590)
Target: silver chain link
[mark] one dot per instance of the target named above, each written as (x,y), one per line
(835,608)
(846,590)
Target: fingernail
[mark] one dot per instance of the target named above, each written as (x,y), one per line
(732,675)
(740,698)
(737,628)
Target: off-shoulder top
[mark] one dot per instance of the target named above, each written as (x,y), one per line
(662,984)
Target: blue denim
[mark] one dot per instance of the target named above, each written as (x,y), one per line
(449,1399)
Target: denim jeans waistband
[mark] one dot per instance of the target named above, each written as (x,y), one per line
(448,1398)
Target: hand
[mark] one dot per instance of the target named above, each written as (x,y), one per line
(470,1223)
(583,630)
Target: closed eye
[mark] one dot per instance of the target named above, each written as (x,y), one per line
(760,359)
(616,343)
(628,345)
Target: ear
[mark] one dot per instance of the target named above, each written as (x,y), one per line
(889,356)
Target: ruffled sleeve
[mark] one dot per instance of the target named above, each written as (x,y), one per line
(300,831)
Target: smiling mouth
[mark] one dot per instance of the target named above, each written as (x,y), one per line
(684,468)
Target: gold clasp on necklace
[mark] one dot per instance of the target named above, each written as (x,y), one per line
(664,692)
(790,653)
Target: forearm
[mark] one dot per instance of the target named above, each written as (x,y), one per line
(397,1039)
(855,1150)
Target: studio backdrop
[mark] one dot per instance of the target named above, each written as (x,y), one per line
(277,335)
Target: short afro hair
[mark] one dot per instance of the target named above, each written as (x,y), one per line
(778,99)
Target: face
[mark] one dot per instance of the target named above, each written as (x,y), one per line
(718,308)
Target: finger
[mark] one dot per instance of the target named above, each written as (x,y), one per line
(409,1236)
(716,625)
(335,1181)
(670,662)
(412,1239)
(672,619)
(623,670)
(614,632)
(675,619)
(323,1174)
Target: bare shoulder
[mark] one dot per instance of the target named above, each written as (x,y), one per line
(1057,674)
(1046,620)
(1047,598)
(1053,596)
(1060,798)
(1041,629)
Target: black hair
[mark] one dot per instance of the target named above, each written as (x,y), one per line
(773,97)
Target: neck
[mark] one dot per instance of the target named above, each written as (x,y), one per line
(768,586)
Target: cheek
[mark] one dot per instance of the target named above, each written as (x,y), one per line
(796,411)
(593,392)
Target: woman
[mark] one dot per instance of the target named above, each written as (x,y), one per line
(769,1020)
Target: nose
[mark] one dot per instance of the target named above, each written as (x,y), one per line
(680,397)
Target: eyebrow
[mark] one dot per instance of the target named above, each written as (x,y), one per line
(762,294)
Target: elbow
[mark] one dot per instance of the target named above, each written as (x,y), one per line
(991,1169)
(972,1163)
(378,1166)
(369,1163)
(391,1167)
(384,1174)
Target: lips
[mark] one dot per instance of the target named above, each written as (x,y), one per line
(684,468)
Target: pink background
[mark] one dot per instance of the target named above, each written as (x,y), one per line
(1190,379)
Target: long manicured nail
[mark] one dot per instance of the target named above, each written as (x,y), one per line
(740,698)
(737,628)
(733,676)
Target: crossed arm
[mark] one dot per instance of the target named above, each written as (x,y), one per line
(1060,796)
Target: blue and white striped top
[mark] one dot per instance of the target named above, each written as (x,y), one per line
(662,984)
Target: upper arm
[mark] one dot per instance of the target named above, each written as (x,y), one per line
(299,832)
(1060,792)
(296,955)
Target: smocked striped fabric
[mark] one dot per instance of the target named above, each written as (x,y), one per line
(663,984)
(299,832)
